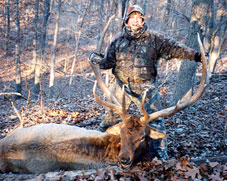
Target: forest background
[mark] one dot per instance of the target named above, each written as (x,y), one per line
(45,45)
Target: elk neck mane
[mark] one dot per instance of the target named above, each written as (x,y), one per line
(98,148)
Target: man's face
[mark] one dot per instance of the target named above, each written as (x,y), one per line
(135,21)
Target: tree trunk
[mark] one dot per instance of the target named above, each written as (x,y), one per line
(144,6)
(217,36)
(52,4)
(7,12)
(125,5)
(35,35)
(119,14)
(40,53)
(133,2)
(167,11)
(17,50)
(209,27)
(77,39)
(52,65)
(185,79)
(124,8)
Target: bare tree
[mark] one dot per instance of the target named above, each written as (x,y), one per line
(215,32)
(124,8)
(40,53)
(52,4)
(133,2)
(168,10)
(209,18)
(35,36)
(7,12)
(125,4)
(17,49)
(77,38)
(186,76)
(145,5)
(52,65)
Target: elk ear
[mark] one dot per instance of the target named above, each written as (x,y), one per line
(156,134)
(115,129)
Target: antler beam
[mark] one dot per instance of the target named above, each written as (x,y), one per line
(172,110)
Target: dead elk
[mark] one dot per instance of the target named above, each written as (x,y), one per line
(49,147)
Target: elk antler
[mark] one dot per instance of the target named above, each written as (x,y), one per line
(172,110)
(115,105)
(120,109)
(96,68)
(102,85)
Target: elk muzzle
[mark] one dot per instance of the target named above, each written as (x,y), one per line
(125,162)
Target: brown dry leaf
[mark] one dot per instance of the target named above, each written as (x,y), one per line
(89,115)
(156,162)
(83,173)
(96,113)
(170,163)
(52,113)
(225,171)
(163,90)
(213,164)
(75,114)
(205,169)
(63,113)
(174,178)
(215,177)
(183,165)
(192,172)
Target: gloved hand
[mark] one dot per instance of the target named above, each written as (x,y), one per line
(197,57)
(95,58)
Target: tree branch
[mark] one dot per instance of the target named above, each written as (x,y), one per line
(16,111)
(10,93)
(220,159)
(182,15)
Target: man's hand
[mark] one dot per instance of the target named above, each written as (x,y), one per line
(197,57)
(95,58)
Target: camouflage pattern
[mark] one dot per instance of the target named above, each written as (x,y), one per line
(136,60)
(134,8)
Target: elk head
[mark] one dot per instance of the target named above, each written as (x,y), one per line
(133,129)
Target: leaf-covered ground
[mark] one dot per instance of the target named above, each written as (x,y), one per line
(197,144)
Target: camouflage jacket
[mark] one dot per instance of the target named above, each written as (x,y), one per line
(134,60)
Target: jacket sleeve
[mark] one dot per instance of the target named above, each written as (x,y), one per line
(109,60)
(169,48)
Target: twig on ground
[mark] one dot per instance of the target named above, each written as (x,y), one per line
(29,94)
(16,111)
(225,130)
(10,93)
(220,159)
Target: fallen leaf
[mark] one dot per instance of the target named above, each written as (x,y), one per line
(213,164)
(192,172)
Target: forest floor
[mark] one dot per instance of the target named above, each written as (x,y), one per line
(197,143)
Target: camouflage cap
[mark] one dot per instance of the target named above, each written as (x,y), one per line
(134,8)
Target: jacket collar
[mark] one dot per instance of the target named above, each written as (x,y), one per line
(135,35)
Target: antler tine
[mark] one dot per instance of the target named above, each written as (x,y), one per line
(107,104)
(124,112)
(144,112)
(172,110)
(102,85)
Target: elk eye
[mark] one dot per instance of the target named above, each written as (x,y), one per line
(142,139)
